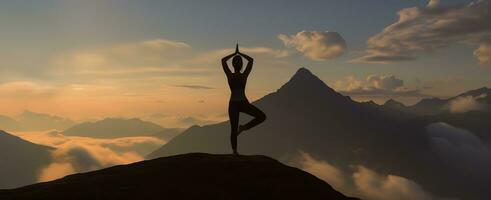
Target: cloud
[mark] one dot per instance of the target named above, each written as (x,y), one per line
(431,28)
(143,54)
(79,157)
(149,60)
(55,171)
(376,85)
(81,154)
(26,90)
(266,51)
(460,149)
(433,3)
(375,186)
(322,170)
(76,158)
(316,45)
(363,182)
(197,87)
(483,54)
(385,82)
(160,44)
(466,104)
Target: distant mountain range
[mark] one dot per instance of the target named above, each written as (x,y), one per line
(475,113)
(191,176)
(435,106)
(307,115)
(21,161)
(120,127)
(31,121)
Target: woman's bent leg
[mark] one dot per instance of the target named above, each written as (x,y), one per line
(258,115)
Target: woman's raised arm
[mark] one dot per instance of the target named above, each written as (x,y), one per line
(250,62)
(226,69)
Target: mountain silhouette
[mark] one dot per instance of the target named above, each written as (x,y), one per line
(437,110)
(21,161)
(32,121)
(393,104)
(478,92)
(120,127)
(190,176)
(435,106)
(9,124)
(39,121)
(307,115)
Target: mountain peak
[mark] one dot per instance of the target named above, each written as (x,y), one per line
(394,103)
(304,74)
(303,70)
(306,82)
(177,177)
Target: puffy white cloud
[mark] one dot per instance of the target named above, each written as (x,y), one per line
(430,28)
(433,3)
(483,54)
(363,182)
(349,83)
(461,149)
(385,82)
(316,45)
(466,104)
(376,85)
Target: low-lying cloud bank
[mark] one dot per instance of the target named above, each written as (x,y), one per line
(363,182)
(82,154)
(466,104)
(461,149)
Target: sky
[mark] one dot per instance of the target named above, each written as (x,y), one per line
(160,60)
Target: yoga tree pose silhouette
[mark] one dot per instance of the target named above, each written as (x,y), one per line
(238,101)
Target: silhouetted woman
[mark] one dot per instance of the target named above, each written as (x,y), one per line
(238,101)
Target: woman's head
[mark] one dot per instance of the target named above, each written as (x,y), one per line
(237,63)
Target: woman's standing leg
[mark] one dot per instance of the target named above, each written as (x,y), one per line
(233,114)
